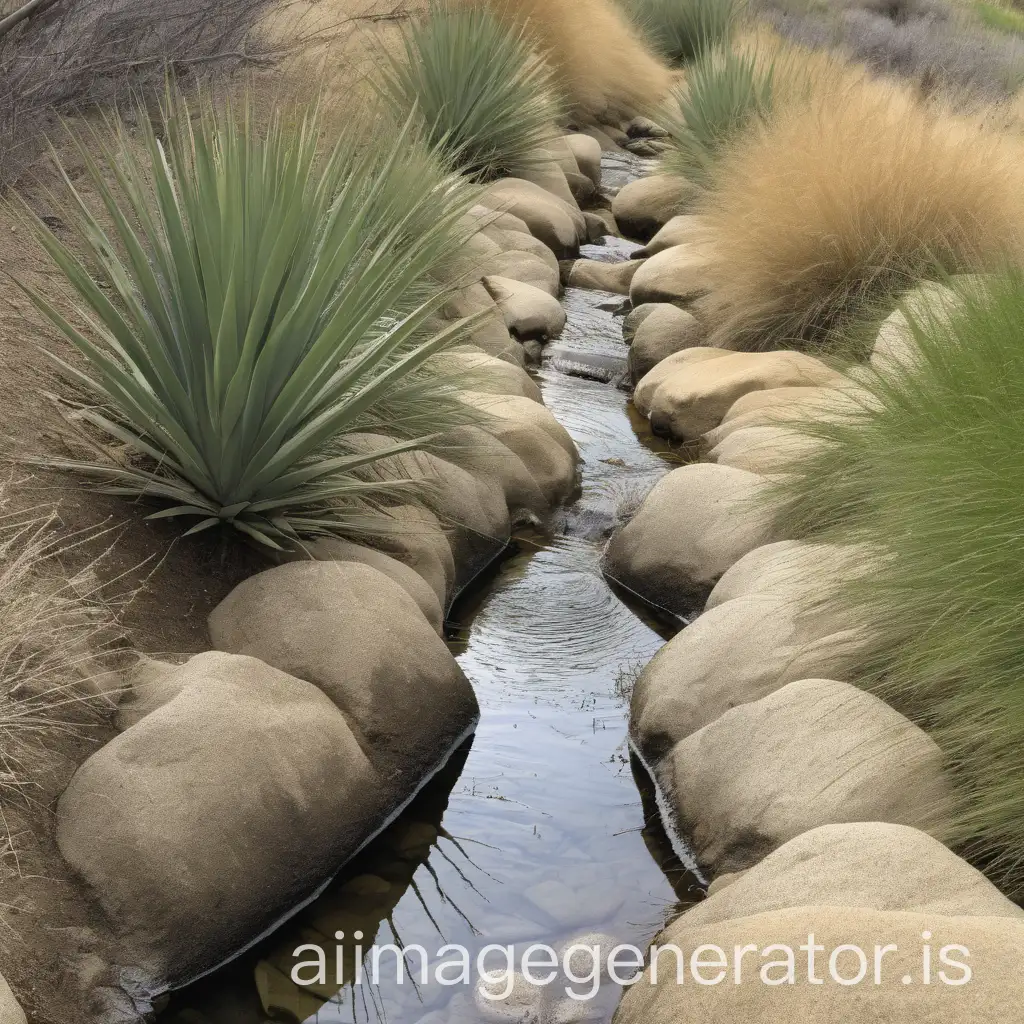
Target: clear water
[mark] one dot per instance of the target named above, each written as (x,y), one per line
(537,830)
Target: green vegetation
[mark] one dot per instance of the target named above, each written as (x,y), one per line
(480,94)
(1002,19)
(929,473)
(725,92)
(249,301)
(682,30)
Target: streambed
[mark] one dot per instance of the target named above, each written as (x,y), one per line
(535,832)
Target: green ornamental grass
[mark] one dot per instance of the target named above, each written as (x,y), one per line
(682,30)
(725,94)
(930,471)
(243,301)
(481,96)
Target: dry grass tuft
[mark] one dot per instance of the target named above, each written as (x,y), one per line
(847,198)
(330,50)
(56,635)
(603,67)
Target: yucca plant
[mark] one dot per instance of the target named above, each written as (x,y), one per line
(480,94)
(244,301)
(683,30)
(929,472)
(725,93)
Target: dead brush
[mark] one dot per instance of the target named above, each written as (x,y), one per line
(941,43)
(72,55)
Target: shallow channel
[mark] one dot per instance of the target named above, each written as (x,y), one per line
(537,831)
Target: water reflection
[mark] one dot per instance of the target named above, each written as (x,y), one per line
(257,987)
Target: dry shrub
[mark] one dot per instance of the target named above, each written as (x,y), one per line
(949,53)
(847,197)
(603,67)
(78,53)
(932,42)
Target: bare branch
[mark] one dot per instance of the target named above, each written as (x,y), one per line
(26,11)
(60,58)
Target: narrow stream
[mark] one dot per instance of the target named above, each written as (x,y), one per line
(536,831)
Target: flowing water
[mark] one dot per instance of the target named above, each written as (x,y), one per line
(537,831)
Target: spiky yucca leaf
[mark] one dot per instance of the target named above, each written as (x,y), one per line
(724,94)
(248,302)
(683,30)
(929,472)
(480,94)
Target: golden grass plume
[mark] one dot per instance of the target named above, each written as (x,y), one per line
(848,194)
(603,67)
